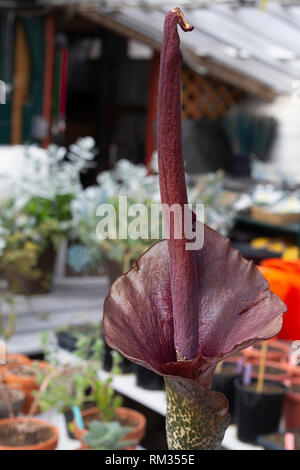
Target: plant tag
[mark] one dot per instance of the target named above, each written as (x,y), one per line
(289,441)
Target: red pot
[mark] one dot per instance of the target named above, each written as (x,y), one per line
(281,353)
(291,406)
(283,371)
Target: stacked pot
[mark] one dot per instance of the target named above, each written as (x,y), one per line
(260,412)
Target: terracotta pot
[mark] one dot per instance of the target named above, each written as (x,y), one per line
(291,406)
(295,371)
(277,351)
(86,447)
(14,359)
(27,383)
(122,414)
(49,444)
(277,371)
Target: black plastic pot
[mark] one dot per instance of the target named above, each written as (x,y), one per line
(66,341)
(126,366)
(241,165)
(268,444)
(68,414)
(224,383)
(257,413)
(147,379)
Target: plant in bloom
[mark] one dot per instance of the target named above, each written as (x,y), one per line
(179,312)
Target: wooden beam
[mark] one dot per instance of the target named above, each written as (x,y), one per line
(20,84)
(214,68)
(118,28)
(233,77)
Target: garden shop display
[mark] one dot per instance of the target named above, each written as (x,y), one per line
(116,254)
(35,212)
(179,312)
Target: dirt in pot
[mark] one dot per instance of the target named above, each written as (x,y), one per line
(278,439)
(24,370)
(295,388)
(270,348)
(268,388)
(269,370)
(24,434)
(13,394)
(228,368)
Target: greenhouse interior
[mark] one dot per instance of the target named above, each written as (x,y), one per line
(150,226)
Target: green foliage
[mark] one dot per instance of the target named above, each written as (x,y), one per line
(8,315)
(107,436)
(79,384)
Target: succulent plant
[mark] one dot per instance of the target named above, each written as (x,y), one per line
(107,436)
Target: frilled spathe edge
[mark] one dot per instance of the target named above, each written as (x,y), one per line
(235,309)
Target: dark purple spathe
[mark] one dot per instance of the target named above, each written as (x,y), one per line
(180,312)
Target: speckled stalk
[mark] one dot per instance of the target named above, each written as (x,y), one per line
(197,417)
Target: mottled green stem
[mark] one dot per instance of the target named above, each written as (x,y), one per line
(197,417)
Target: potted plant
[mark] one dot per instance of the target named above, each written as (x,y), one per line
(27,433)
(35,214)
(69,384)
(107,436)
(186,311)
(68,336)
(148,379)
(24,433)
(291,406)
(258,412)
(26,376)
(223,381)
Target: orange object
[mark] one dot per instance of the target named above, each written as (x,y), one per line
(284,279)
(27,383)
(49,444)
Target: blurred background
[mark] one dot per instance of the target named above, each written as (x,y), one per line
(78,104)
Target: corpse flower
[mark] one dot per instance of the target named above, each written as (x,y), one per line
(179,312)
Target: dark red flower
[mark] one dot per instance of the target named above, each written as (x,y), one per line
(177,311)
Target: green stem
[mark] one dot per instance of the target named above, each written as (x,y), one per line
(197,417)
